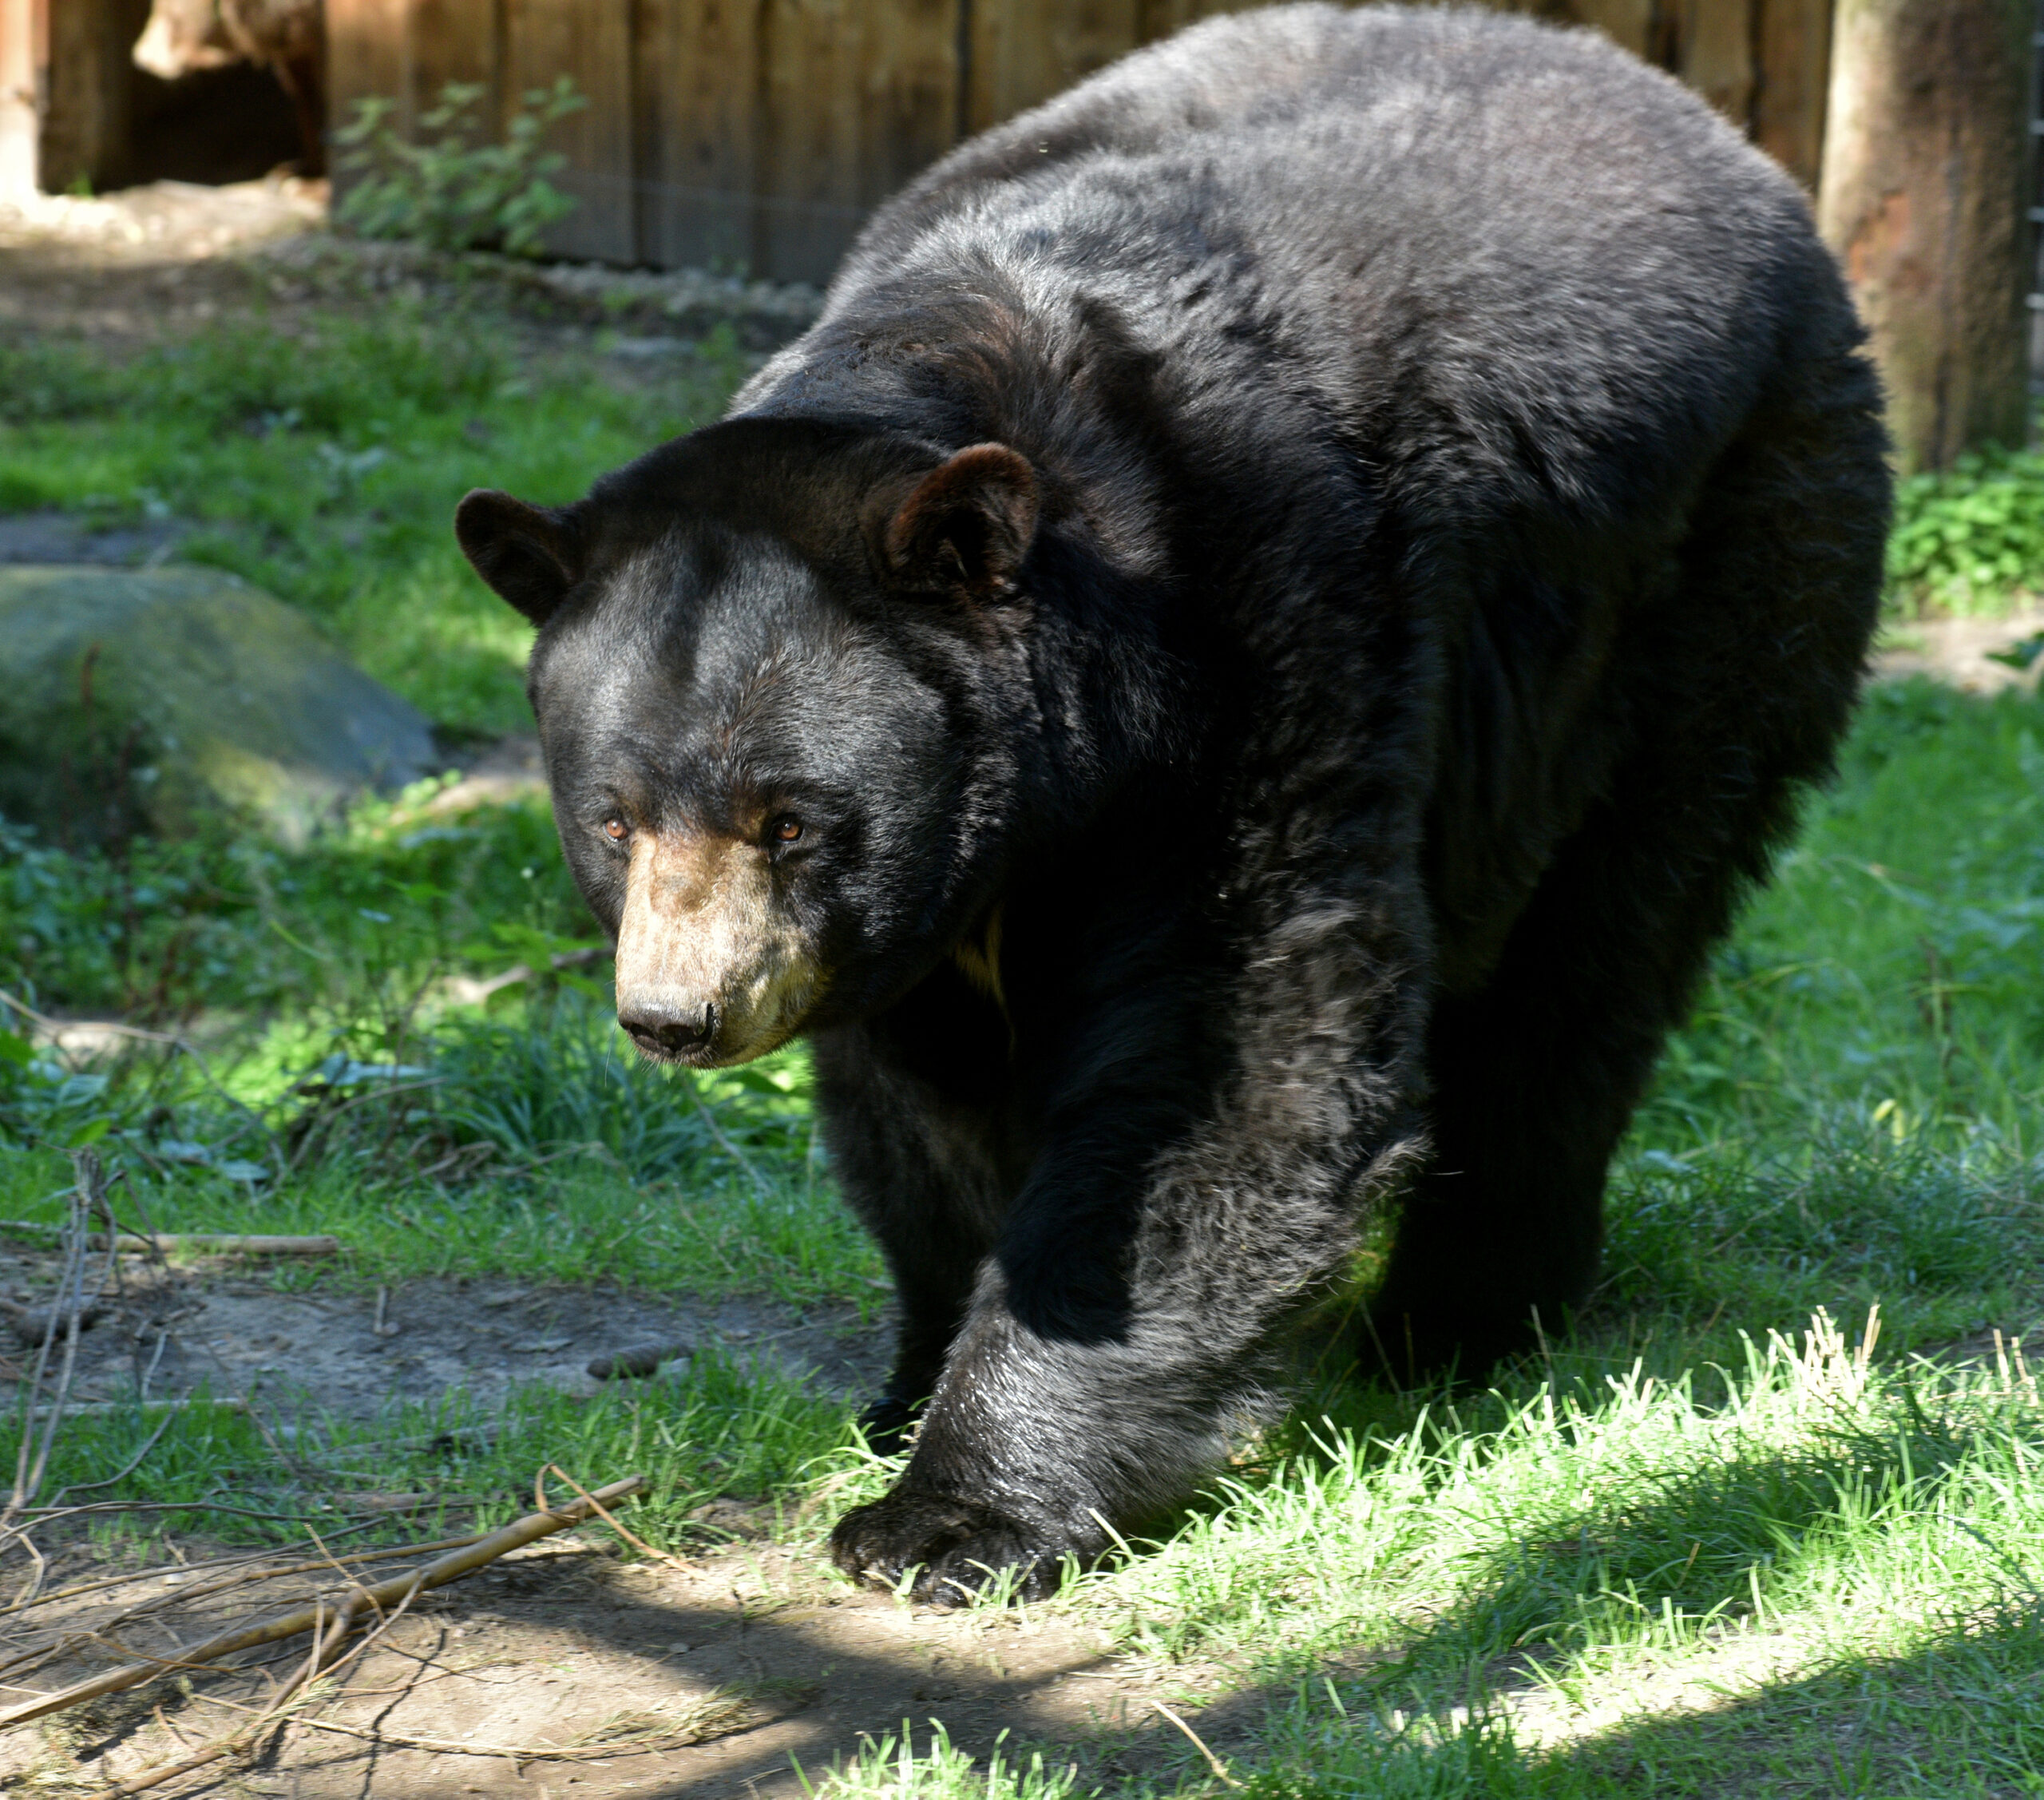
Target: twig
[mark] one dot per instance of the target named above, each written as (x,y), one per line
(1212,1761)
(74,1252)
(244,1576)
(450,1568)
(157,1243)
(87,1195)
(45,1514)
(602,1513)
(133,1463)
(222,1243)
(297,1692)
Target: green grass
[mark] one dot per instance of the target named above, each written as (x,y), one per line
(1689,1550)
(322,458)
(721,1427)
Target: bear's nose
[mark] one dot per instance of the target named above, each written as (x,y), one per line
(664,1029)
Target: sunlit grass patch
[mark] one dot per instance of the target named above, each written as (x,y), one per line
(582,1167)
(1593,1539)
(892,1767)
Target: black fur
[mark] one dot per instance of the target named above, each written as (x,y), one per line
(1458,513)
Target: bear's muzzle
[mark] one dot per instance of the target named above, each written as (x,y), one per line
(709,969)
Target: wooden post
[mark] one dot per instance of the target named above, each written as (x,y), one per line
(591,41)
(89,87)
(1792,57)
(695,151)
(1923,199)
(23,33)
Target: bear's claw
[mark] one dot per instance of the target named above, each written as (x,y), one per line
(955,1547)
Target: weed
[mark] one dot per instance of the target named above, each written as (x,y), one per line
(1964,537)
(445,188)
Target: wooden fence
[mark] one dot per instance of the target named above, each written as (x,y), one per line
(755,134)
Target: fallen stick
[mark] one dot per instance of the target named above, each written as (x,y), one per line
(298,1692)
(385,1594)
(247,1570)
(718,1716)
(240,1243)
(222,1243)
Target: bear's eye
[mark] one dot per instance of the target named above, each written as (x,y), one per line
(785,829)
(616,830)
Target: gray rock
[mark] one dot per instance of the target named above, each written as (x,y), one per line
(149,696)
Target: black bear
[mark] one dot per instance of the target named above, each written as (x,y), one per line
(1230,682)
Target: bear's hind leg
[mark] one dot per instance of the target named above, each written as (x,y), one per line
(1738,686)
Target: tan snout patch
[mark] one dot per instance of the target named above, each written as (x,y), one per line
(702,923)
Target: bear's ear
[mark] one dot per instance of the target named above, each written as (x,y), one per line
(967,525)
(530,555)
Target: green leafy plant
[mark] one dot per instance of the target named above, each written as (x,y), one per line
(1964,537)
(448,189)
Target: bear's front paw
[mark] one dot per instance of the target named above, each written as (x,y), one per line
(955,1547)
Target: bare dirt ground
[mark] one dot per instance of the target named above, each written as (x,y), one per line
(155,261)
(739,1671)
(733,1670)
(351,1354)
(1963,652)
(560,1668)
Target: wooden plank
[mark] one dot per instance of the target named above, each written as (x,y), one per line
(590,42)
(367,58)
(1629,22)
(696,76)
(1023,51)
(21,39)
(1716,56)
(909,102)
(1791,82)
(366,44)
(812,88)
(87,92)
(1161,19)
(456,41)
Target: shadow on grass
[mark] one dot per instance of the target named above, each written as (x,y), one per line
(1959,1718)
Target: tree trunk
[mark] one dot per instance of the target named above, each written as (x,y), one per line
(1923,200)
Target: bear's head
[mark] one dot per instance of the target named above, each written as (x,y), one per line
(779,666)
